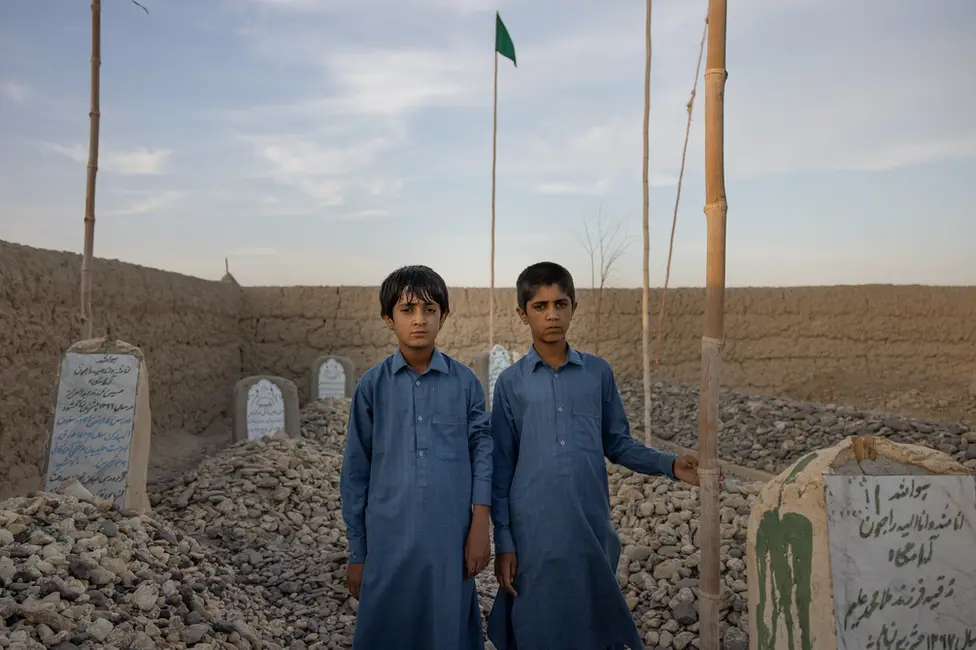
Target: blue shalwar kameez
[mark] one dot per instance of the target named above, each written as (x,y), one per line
(552,429)
(417,457)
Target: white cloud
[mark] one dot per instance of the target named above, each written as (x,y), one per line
(139,161)
(151,202)
(14,91)
(363,214)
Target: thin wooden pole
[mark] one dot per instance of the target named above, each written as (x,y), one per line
(645,302)
(716,211)
(494,160)
(677,202)
(93,116)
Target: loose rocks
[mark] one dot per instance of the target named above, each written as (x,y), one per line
(771,433)
(273,507)
(326,421)
(73,574)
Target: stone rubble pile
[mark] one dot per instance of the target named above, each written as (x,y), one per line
(771,433)
(255,553)
(272,506)
(75,574)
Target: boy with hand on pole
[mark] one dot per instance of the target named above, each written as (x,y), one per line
(556,415)
(416,482)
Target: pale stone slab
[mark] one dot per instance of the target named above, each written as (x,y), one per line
(489,366)
(898,549)
(788,540)
(332,376)
(102,427)
(263,406)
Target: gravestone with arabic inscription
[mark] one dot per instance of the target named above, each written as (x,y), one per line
(263,406)
(489,366)
(902,560)
(841,544)
(332,377)
(102,423)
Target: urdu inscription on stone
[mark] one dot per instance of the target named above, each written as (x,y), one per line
(901,557)
(265,410)
(93,423)
(332,380)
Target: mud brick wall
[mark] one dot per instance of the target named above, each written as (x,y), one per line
(188,328)
(901,347)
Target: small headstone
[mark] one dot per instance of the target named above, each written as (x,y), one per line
(332,376)
(488,368)
(897,555)
(263,406)
(102,423)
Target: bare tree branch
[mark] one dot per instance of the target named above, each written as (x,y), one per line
(605,251)
(140,6)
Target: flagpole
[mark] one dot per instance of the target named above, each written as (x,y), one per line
(494,158)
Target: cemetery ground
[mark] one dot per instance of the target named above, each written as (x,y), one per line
(245,544)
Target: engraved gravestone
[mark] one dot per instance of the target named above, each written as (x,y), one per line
(332,377)
(901,558)
(263,406)
(102,423)
(265,410)
(498,359)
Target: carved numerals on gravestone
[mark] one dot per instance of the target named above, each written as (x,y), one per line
(263,406)
(332,377)
(901,558)
(102,423)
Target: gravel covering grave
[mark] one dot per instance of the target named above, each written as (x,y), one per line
(249,549)
(771,433)
(76,574)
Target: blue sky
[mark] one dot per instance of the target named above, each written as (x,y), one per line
(323,142)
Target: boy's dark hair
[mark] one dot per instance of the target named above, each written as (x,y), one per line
(543,274)
(420,282)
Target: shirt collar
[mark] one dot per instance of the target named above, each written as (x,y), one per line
(533,358)
(437,362)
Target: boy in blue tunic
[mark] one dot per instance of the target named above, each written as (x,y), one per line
(556,414)
(416,482)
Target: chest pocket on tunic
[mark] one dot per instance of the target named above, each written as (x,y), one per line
(449,424)
(588,426)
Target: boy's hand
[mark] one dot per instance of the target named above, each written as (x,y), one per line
(354,579)
(506,566)
(686,469)
(477,549)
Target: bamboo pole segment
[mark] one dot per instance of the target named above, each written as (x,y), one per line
(93,116)
(494,160)
(716,212)
(677,201)
(645,303)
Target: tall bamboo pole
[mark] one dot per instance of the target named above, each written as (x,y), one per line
(716,211)
(494,160)
(93,116)
(645,302)
(677,202)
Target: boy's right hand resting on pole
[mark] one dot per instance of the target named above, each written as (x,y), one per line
(505,567)
(354,579)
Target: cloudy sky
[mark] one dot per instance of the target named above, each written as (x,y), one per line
(328,141)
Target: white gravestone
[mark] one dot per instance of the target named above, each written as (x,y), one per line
(94,419)
(498,359)
(902,561)
(332,380)
(265,410)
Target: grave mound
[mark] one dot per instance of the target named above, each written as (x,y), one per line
(74,573)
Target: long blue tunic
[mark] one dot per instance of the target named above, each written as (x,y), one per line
(551,504)
(417,457)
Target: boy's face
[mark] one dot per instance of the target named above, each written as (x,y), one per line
(416,323)
(548,314)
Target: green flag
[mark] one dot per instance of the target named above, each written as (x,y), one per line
(503,42)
